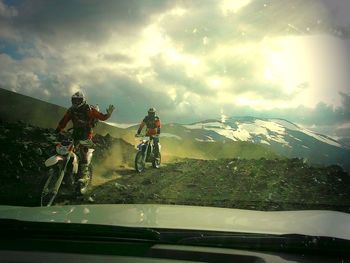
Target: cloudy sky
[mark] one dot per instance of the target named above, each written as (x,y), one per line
(191,59)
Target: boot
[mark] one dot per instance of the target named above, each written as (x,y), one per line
(84,173)
(156,152)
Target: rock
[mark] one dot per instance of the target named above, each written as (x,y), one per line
(28,128)
(38,151)
(51,138)
(119,186)
(147,181)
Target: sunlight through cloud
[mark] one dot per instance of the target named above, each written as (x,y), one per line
(228,6)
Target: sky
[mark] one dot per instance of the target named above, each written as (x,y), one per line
(190,59)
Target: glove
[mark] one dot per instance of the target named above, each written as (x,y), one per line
(110,109)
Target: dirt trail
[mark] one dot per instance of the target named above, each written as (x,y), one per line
(110,175)
(246,184)
(250,183)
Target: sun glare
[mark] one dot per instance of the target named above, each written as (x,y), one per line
(252,101)
(233,6)
(284,62)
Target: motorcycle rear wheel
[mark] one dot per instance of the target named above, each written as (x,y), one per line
(47,194)
(139,163)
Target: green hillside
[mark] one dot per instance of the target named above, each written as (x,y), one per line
(214,150)
(17,107)
(271,185)
(182,145)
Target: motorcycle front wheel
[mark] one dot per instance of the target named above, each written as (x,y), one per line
(48,193)
(139,163)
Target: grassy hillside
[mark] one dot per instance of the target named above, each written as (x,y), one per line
(262,184)
(17,107)
(215,150)
(183,146)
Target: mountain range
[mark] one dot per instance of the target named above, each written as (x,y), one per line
(283,137)
(236,137)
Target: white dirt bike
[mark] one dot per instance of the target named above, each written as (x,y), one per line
(146,154)
(64,169)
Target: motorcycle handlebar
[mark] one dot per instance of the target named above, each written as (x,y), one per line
(68,136)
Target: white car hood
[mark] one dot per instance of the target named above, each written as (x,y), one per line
(315,222)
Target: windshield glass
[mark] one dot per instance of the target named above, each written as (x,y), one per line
(236,104)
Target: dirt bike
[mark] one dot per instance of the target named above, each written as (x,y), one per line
(145,154)
(64,169)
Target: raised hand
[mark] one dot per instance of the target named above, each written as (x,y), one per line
(110,109)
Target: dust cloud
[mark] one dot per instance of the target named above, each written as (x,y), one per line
(118,159)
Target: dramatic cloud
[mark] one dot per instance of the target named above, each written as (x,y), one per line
(192,60)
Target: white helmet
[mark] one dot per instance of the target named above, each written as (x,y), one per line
(152,112)
(78,99)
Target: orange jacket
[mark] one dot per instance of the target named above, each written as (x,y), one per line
(153,125)
(89,113)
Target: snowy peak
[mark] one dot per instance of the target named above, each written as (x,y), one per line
(282,136)
(266,131)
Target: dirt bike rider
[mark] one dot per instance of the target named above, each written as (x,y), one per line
(153,125)
(83,117)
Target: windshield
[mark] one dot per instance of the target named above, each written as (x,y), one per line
(236,104)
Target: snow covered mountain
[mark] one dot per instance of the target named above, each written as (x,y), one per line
(266,131)
(282,136)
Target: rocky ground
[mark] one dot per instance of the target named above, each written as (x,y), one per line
(24,149)
(246,184)
(263,184)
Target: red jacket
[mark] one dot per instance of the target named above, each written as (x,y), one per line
(82,118)
(153,125)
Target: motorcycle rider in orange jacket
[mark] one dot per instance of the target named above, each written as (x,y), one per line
(83,117)
(153,125)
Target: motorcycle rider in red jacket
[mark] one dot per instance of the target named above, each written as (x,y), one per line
(153,125)
(83,117)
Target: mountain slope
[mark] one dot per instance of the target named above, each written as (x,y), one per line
(251,177)
(278,135)
(272,185)
(260,184)
(17,107)
(177,141)
(241,137)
